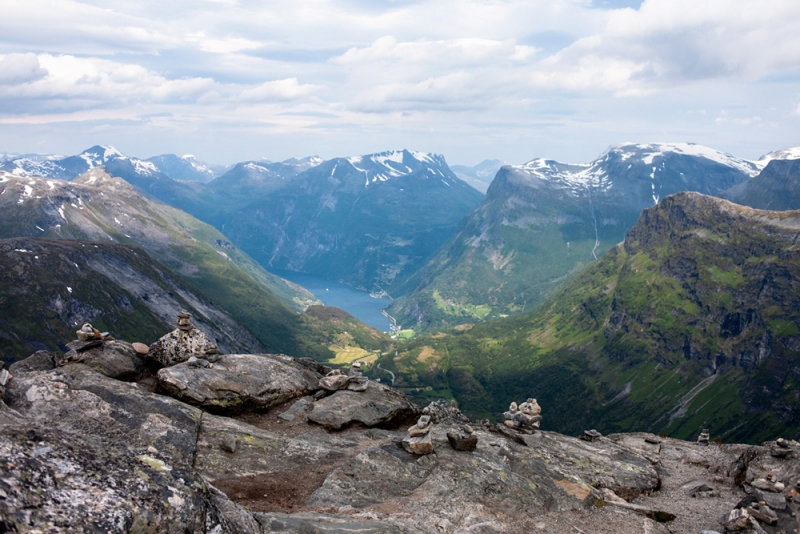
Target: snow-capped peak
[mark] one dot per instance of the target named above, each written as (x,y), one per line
(647,153)
(188,157)
(383,166)
(787,153)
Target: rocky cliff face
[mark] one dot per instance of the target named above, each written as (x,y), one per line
(777,187)
(82,452)
(691,322)
(544,221)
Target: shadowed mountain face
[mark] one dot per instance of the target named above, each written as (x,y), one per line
(50,287)
(692,322)
(367,221)
(777,187)
(544,221)
(98,207)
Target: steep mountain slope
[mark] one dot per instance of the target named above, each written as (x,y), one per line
(777,187)
(250,180)
(692,322)
(49,287)
(186,168)
(367,221)
(544,221)
(97,207)
(481,175)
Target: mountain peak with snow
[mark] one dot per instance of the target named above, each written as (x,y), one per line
(786,153)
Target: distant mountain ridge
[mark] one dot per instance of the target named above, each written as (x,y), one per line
(368,221)
(544,221)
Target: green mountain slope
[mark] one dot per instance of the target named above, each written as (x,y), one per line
(544,221)
(97,207)
(693,322)
(49,287)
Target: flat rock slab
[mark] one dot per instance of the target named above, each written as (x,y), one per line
(257,451)
(312,523)
(78,399)
(375,406)
(239,382)
(499,483)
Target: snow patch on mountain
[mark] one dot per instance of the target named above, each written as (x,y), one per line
(384,166)
(647,154)
(788,153)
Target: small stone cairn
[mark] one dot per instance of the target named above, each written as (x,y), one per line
(354,380)
(524,418)
(418,441)
(88,337)
(704,437)
(185,343)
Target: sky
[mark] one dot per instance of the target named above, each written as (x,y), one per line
(233,80)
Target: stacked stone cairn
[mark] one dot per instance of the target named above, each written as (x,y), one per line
(418,441)
(184,344)
(524,418)
(704,437)
(88,337)
(354,380)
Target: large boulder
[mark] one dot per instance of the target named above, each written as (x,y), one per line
(115,359)
(77,399)
(377,405)
(239,382)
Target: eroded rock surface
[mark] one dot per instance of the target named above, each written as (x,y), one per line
(377,405)
(237,382)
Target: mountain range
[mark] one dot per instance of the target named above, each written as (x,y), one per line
(368,221)
(544,221)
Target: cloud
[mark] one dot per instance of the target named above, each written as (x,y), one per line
(288,89)
(17,69)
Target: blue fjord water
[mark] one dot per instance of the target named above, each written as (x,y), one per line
(355,302)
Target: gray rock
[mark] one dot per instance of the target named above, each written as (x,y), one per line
(79,400)
(238,382)
(311,523)
(699,488)
(299,408)
(513,481)
(41,360)
(229,443)
(258,451)
(445,413)
(776,501)
(418,445)
(764,513)
(179,345)
(379,404)
(57,480)
(115,359)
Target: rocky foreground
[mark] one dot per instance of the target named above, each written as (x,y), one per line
(104,439)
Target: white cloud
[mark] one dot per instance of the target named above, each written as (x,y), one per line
(20,68)
(405,68)
(288,89)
